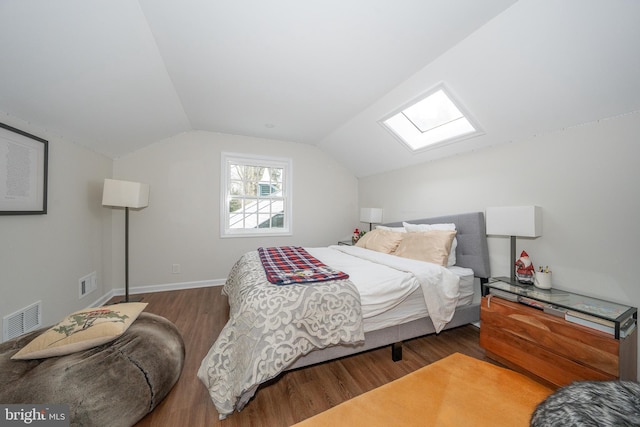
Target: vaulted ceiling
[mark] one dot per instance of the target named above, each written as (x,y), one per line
(118,75)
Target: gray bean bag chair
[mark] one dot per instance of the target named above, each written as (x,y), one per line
(590,404)
(114,384)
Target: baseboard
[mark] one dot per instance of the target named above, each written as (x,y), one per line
(171,286)
(156,288)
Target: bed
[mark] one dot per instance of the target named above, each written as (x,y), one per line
(277,328)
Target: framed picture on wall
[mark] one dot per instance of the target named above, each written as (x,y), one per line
(23,172)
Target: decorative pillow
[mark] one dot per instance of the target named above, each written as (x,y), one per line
(380,240)
(431,246)
(427,227)
(82,330)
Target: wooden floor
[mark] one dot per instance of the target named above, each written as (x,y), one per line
(201,313)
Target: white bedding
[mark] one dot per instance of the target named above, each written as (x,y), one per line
(385,281)
(413,306)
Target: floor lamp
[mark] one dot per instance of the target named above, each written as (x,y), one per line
(125,194)
(514,221)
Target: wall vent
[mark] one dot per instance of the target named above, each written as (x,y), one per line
(87,284)
(26,320)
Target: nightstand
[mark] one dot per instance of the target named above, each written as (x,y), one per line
(346,242)
(556,336)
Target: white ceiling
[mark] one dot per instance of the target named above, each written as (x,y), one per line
(117,75)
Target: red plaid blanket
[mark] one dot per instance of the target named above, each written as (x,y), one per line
(285,265)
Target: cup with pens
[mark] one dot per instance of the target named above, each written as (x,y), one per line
(543,278)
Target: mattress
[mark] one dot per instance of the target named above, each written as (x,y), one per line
(388,296)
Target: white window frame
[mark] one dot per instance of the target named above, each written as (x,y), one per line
(228,159)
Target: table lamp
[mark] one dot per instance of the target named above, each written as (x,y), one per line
(514,221)
(371,215)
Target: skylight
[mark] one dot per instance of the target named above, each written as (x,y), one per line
(433,120)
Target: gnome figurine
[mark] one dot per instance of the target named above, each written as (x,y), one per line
(524,269)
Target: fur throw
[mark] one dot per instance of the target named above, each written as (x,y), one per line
(591,403)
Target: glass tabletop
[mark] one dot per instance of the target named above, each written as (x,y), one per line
(568,300)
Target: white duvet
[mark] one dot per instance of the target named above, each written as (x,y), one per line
(384,281)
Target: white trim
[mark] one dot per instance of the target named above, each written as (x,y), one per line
(157,288)
(170,287)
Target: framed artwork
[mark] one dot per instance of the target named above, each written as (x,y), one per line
(23,172)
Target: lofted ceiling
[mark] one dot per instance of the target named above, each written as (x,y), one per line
(118,75)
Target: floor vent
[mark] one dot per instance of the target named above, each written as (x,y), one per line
(26,320)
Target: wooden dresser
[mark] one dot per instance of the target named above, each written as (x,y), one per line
(551,349)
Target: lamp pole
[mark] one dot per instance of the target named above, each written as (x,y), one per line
(126,254)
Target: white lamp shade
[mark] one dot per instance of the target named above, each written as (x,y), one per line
(371,215)
(125,194)
(523,221)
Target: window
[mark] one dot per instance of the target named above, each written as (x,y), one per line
(431,121)
(256,196)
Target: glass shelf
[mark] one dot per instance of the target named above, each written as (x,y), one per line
(567,302)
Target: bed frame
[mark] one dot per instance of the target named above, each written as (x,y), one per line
(472,252)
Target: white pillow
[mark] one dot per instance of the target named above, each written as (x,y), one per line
(394,229)
(428,227)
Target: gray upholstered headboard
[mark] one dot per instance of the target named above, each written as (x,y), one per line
(472,251)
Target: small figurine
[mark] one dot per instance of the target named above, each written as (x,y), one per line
(524,269)
(356,236)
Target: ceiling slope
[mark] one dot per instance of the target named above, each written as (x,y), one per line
(297,70)
(117,75)
(86,71)
(539,66)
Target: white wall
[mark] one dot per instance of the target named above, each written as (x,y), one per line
(42,257)
(181,223)
(585,178)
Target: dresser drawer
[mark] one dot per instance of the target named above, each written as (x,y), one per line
(547,346)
